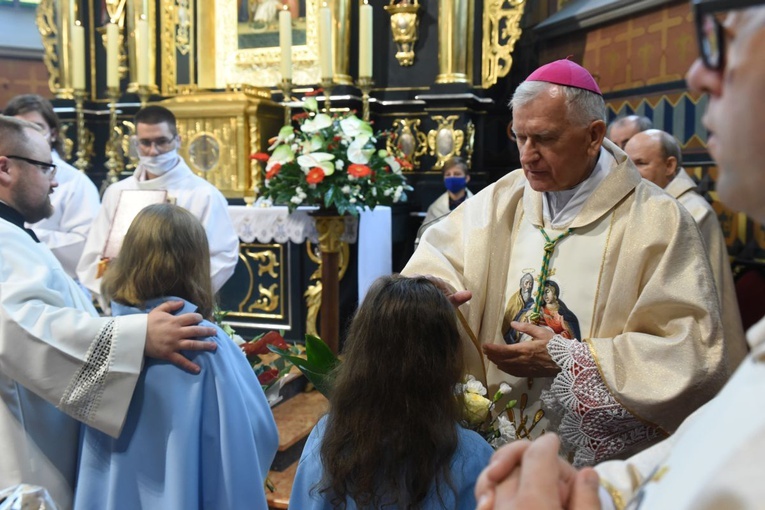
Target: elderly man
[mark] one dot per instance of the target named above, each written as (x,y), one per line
(624,256)
(161,168)
(681,472)
(622,129)
(56,355)
(658,158)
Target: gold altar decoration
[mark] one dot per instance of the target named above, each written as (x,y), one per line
(115,9)
(470,143)
(313,293)
(54,21)
(445,141)
(235,52)
(404,25)
(84,135)
(115,162)
(265,267)
(501,30)
(409,140)
(365,84)
(219,131)
(454,18)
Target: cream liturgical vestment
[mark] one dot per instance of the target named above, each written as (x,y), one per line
(683,188)
(628,293)
(53,345)
(187,190)
(716,458)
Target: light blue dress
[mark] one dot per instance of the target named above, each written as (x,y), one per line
(189,441)
(471,456)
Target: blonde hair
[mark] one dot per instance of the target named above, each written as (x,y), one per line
(165,253)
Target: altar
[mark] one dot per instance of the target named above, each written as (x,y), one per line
(277,283)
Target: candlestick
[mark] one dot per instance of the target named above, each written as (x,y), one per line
(78,56)
(286,87)
(365,84)
(114,162)
(285,42)
(112,56)
(142,51)
(365,40)
(325,42)
(84,136)
(144,93)
(327,84)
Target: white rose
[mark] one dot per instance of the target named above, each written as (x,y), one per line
(474,386)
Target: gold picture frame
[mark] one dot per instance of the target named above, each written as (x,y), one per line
(223,62)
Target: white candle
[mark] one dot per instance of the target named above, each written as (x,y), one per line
(112,56)
(325,42)
(142,51)
(78,56)
(365,40)
(285,42)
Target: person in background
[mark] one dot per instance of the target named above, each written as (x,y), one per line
(75,201)
(59,362)
(189,441)
(456,177)
(391,437)
(161,168)
(622,129)
(658,158)
(686,471)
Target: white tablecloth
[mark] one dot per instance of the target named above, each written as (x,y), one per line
(276,224)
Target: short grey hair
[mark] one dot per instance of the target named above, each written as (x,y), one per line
(582,106)
(670,147)
(641,122)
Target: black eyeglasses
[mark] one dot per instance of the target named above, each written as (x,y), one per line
(48,169)
(162,144)
(710,31)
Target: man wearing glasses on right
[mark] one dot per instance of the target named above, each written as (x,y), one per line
(162,168)
(716,459)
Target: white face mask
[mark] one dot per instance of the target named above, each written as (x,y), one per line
(160,164)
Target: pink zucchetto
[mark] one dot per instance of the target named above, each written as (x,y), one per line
(568,73)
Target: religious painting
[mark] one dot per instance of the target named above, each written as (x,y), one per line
(553,314)
(258,22)
(246,49)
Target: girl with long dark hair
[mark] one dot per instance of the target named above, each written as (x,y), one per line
(391,438)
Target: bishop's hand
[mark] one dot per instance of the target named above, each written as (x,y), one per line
(525,359)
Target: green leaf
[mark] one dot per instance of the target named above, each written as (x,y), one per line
(320,376)
(329,197)
(319,353)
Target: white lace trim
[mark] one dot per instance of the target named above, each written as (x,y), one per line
(593,425)
(83,396)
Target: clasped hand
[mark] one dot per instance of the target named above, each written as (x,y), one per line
(525,359)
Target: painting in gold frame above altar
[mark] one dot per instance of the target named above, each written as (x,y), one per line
(246,49)
(258,23)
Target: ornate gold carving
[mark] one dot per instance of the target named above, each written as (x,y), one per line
(268,300)
(453,23)
(115,162)
(45,18)
(168,41)
(330,230)
(312,294)
(126,135)
(68,142)
(204,151)
(408,140)
(501,30)
(268,262)
(404,25)
(445,141)
(84,136)
(470,145)
(269,297)
(184,15)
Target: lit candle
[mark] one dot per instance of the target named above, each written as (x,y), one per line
(142,51)
(285,42)
(112,56)
(325,42)
(365,40)
(78,56)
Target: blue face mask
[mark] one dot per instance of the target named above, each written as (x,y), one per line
(455,184)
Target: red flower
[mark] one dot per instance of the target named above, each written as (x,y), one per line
(405,163)
(260,346)
(357,170)
(314,92)
(300,116)
(273,171)
(315,175)
(260,156)
(267,377)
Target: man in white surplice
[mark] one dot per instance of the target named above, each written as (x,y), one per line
(161,168)
(623,340)
(56,355)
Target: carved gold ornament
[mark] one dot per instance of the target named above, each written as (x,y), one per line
(501,30)
(404,24)
(408,140)
(445,141)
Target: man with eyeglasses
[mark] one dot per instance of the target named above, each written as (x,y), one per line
(161,168)
(716,459)
(60,362)
(76,200)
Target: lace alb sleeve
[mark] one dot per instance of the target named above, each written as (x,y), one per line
(593,425)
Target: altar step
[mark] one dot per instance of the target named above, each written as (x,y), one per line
(295,418)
